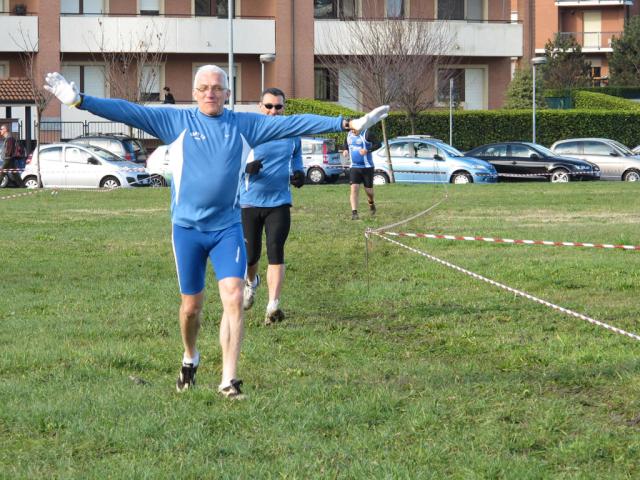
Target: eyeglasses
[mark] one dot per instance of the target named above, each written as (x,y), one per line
(216,89)
(269,106)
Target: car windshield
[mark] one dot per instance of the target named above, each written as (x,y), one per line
(624,148)
(542,149)
(451,151)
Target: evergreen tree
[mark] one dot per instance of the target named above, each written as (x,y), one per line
(520,90)
(566,66)
(624,61)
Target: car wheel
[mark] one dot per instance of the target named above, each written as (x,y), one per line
(110,182)
(31,181)
(461,177)
(559,175)
(157,181)
(315,175)
(380,178)
(631,176)
(5,182)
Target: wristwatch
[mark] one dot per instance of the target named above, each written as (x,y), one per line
(345,124)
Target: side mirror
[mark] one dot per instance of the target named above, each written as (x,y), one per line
(534,156)
(93,161)
(437,156)
(614,153)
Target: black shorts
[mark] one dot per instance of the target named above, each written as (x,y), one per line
(361,175)
(276,222)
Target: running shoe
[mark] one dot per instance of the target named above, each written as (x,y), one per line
(232,391)
(187,377)
(250,292)
(354,215)
(273,316)
(372,208)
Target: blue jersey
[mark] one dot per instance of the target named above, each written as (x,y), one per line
(207,152)
(270,186)
(355,144)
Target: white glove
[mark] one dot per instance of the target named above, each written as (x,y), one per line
(66,92)
(371,118)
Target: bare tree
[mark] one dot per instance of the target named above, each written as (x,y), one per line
(132,64)
(41,98)
(394,61)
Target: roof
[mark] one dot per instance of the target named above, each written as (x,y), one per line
(16,90)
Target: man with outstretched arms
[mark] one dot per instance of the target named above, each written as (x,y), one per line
(209,146)
(265,198)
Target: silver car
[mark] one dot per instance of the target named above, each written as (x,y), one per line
(615,160)
(321,159)
(66,165)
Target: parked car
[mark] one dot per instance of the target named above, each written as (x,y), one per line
(616,161)
(78,166)
(420,159)
(534,162)
(127,147)
(158,167)
(321,159)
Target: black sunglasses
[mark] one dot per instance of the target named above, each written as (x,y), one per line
(269,106)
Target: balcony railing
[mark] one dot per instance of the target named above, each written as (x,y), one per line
(588,3)
(593,41)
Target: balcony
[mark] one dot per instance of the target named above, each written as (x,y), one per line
(593,41)
(18,33)
(460,38)
(591,3)
(85,34)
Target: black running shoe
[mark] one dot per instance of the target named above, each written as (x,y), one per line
(187,377)
(354,215)
(372,208)
(232,391)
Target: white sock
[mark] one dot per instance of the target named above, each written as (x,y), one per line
(187,360)
(272,306)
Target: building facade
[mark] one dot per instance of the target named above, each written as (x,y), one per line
(592,23)
(84,39)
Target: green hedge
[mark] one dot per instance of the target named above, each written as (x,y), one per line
(623,92)
(477,127)
(584,100)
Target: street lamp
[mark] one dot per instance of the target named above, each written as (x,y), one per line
(265,58)
(535,62)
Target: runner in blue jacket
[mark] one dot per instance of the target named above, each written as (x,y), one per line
(265,198)
(209,147)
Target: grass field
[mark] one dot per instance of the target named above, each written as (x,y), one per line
(392,368)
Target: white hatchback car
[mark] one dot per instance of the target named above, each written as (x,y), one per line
(68,165)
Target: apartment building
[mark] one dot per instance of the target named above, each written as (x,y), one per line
(592,23)
(288,35)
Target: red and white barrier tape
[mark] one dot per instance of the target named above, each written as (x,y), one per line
(17,170)
(509,289)
(25,194)
(586,173)
(511,241)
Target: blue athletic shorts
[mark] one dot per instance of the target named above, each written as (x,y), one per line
(191,248)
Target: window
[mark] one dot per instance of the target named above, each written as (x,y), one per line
(82,6)
(4,70)
(149,7)
(395,8)
(51,155)
(597,148)
(425,150)
(567,147)
(520,151)
(402,149)
(334,9)
(326,85)
(150,83)
(460,9)
(75,155)
(495,151)
(443,80)
(90,79)
(211,8)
